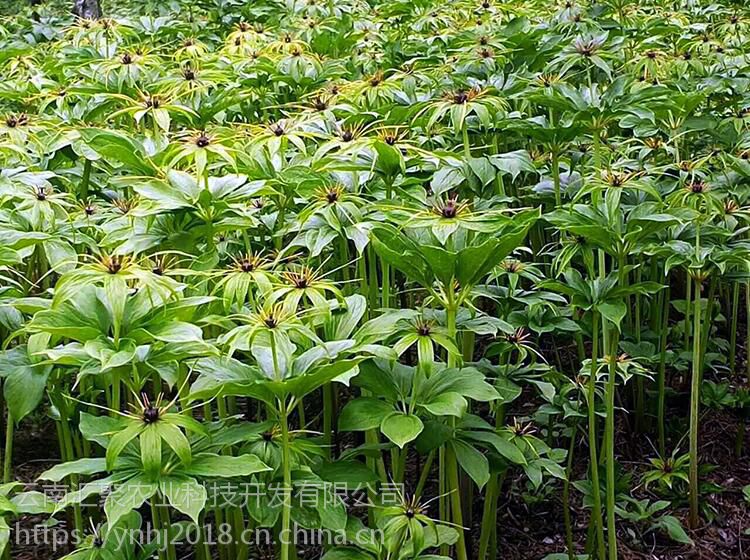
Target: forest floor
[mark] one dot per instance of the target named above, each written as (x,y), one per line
(530,531)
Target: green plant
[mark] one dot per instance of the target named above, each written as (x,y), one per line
(454,247)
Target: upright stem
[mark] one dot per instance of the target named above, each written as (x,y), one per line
(85,179)
(450,324)
(425,474)
(499,176)
(67,440)
(385,267)
(688,298)
(467,146)
(286,512)
(452,472)
(661,397)
(640,393)
(442,491)
(695,385)
(733,328)
(8,462)
(116,395)
(556,177)
(489,512)
(156,522)
(566,495)
(327,418)
(609,431)
(489,517)
(166,525)
(372,273)
(596,514)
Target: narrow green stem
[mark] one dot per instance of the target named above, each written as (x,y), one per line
(688,298)
(450,324)
(661,396)
(156,522)
(733,328)
(327,418)
(489,511)
(695,385)
(556,177)
(8,459)
(116,395)
(399,469)
(467,146)
(566,495)
(609,431)
(67,440)
(385,267)
(489,517)
(596,514)
(442,490)
(456,512)
(85,180)
(425,474)
(286,512)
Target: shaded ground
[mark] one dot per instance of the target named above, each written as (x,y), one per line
(530,532)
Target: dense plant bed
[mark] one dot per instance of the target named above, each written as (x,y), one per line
(374,281)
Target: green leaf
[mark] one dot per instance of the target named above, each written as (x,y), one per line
(351,473)
(513,163)
(674,529)
(401,428)
(400,252)
(475,262)
(128,496)
(209,465)
(99,428)
(389,160)
(613,311)
(364,413)
(120,440)
(116,147)
(176,440)
(445,178)
(505,448)
(150,441)
(97,487)
(472,461)
(447,404)
(508,390)
(223,374)
(303,385)
(4,535)
(185,494)
(163,193)
(177,331)
(61,255)
(33,503)
(434,435)
(25,382)
(80,466)
(346,553)
(442,262)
